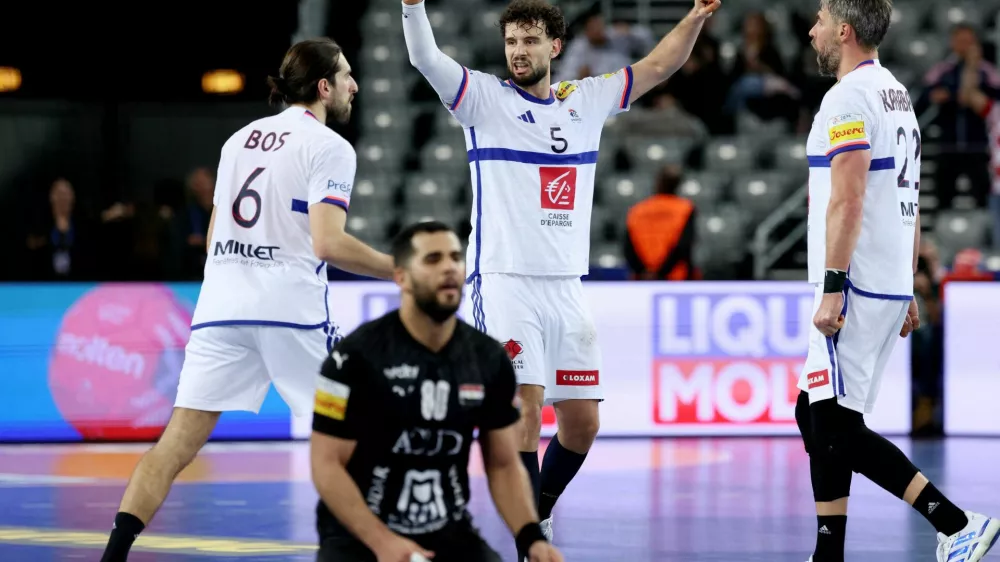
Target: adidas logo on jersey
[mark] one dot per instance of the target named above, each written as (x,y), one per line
(824,530)
(527,117)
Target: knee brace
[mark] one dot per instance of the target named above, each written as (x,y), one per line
(803,419)
(833,433)
(841,436)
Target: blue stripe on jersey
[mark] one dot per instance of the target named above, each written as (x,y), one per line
(526,157)
(300,206)
(474,157)
(629,78)
(848,148)
(880,296)
(270,323)
(551,99)
(876,164)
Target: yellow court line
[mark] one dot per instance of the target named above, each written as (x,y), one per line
(218,546)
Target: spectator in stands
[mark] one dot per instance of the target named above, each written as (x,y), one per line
(59,245)
(659,236)
(963,131)
(601,49)
(972,95)
(201,186)
(927,347)
(759,77)
(700,85)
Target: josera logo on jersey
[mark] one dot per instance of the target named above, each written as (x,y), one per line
(848,131)
(721,358)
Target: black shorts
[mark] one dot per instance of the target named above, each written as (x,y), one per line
(459,542)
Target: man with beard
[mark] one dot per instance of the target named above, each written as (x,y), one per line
(284,184)
(396,406)
(864,233)
(532,153)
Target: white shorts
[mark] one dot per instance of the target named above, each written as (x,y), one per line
(229,368)
(546,327)
(850,364)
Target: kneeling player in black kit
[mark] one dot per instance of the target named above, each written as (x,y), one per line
(395,410)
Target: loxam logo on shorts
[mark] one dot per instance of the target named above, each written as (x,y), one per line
(577,378)
(818,379)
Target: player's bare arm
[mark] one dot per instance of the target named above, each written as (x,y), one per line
(329,456)
(672,51)
(849,174)
(912,321)
(334,245)
(510,488)
(211,229)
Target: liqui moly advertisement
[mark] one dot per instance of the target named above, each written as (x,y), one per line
(687,358)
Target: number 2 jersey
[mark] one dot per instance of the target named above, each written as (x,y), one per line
(412,413)
(869,110)
(261,267)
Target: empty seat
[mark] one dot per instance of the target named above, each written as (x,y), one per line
(704,189)
(374,190)
(606,256)
(948,14)
(921,52)
(621,191)
(445,124)
(649,155)
(383,53)
(790,155)
(758,194)
(721,234)
(381,155)
(445,154)
(381,91)
(956,230)
(384,120)
(372,226)
(733,154)
(430,193)
(748,124)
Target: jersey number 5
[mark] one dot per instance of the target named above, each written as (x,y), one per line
(565,143)
(247,193)
(901,180)
(434,398)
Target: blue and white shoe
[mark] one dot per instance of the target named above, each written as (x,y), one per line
(971,543)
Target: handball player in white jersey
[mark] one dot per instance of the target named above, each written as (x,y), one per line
(281,198)
(864,231)
(532,148)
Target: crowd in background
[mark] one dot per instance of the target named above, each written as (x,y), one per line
(164,238)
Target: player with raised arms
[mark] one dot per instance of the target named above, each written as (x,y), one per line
(532,150)
(284,186)
(864,232)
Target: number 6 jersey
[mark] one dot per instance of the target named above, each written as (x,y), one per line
(869,110)
(261,268)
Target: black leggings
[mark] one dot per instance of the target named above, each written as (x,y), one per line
(459,542)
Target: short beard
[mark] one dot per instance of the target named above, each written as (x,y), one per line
(529,80)
(829,62)
(338,113)
(430,306)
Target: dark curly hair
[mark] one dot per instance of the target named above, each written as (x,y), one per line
(531,12)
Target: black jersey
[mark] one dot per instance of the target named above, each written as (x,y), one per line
(412,413)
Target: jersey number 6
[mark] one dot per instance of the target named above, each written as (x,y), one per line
(246,192)
(901,180)
(552,135)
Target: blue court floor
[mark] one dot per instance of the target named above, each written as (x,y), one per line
(636,500)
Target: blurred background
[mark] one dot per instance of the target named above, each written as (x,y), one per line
(111,126)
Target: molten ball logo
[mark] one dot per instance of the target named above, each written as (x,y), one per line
(116,360)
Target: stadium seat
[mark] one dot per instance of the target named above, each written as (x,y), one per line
(387,121)
(649,155)
(948,14)
(383,53)
(379,155)
(374,190)
(922,52)
(445,123)
(733,154)
(704,189)
(749,125)
(955,229)
(620,191)
(371,227)
(445,154)
(759,193)
(598,225)
(430,193)
(606,255)
(384,24)
(380,90)
(790,155)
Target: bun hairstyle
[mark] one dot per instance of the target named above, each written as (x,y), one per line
(305,64)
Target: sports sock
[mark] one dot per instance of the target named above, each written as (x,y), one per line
(559,466)
(831,531)
(123,534)
(530,461)
(944,515)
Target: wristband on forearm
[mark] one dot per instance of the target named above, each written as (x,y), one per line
(529,535)
(834,281)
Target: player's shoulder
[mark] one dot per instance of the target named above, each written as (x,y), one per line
(369,337)
(854,95)
(583,86)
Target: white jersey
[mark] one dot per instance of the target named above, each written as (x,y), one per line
(533,162)
(261,268)
(869,110)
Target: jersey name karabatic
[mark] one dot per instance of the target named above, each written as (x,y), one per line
(869,110)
